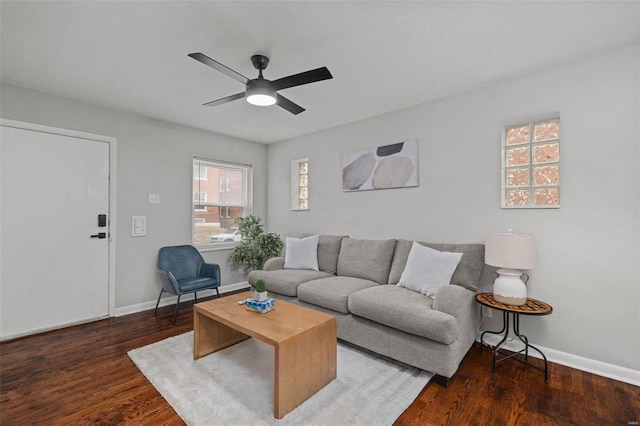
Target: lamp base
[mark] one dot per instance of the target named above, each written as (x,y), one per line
(508,288)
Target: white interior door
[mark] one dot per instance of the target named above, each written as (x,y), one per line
(52,271)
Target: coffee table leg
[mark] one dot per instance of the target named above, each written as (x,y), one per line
(303,365)
(210,336)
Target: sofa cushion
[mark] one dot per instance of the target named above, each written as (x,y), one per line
(366,259)
(332,293)
(466,275)
(285,281)
(404,310)
(328,251)
(301,253)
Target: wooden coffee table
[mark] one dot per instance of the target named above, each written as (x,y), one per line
(304,342)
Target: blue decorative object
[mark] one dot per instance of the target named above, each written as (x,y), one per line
(260,307)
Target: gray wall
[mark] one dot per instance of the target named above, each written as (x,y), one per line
(152,157)
(588,250)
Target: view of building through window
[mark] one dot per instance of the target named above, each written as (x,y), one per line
(531,165)
(220,195)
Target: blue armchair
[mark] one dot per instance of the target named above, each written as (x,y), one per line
(184,271)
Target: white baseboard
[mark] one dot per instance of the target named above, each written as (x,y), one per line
(12,336)
(599,368)
(139,307)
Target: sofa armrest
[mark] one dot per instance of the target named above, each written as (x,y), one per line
(457,302)
(274,264)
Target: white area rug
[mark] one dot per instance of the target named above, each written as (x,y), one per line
(235,386)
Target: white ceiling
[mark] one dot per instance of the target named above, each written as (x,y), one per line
(384,56)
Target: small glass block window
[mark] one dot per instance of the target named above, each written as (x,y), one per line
(303,184)
(300,184)
(531,165)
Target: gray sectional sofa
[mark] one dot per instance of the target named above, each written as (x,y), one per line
(356,282)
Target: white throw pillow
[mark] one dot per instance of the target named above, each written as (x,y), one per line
(301,253)
(427,269)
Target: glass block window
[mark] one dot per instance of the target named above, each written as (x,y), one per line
(531,165)
(300,184)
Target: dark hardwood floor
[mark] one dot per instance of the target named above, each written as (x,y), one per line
(82,375)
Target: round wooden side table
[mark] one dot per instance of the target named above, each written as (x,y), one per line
(531,307)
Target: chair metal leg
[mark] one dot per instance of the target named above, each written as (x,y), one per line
(195,296)
(158,303)
(217,292)
(175,313)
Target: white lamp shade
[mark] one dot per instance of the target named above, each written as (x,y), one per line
(510,250)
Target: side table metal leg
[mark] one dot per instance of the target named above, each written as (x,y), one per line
(496,348)
(497,333)
(525,340)
(546,363)
(522,337)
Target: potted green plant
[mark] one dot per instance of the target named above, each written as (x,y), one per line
(260,294)
(255,247)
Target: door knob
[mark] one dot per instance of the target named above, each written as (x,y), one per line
(100,235)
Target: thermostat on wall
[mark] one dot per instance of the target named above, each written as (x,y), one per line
(139,226)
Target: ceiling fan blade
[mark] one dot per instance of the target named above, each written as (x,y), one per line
(219,67)
(285,103)
(306,77)
(225,100)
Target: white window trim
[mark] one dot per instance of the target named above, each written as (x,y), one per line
(247,170)
(295,184)
(503,186)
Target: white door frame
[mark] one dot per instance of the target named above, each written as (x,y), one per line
(112,190)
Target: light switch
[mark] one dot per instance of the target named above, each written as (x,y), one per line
(154,198)
(139,226)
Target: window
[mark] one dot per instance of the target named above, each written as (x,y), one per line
(225,184)
(199,173)
(300,184)
(531,165)
(200,197)
(218,200)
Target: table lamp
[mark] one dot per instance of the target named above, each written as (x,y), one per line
(511,252)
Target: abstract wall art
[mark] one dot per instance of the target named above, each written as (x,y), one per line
(382,167)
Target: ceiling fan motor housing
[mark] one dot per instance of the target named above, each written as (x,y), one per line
(260,62)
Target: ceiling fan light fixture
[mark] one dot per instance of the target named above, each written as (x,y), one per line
(261,96)
(260,91)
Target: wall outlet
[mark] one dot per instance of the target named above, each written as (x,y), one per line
(486,312)
(154,198)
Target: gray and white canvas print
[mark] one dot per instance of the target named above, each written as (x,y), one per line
(382,167)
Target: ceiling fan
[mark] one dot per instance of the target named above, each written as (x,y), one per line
(260,91)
